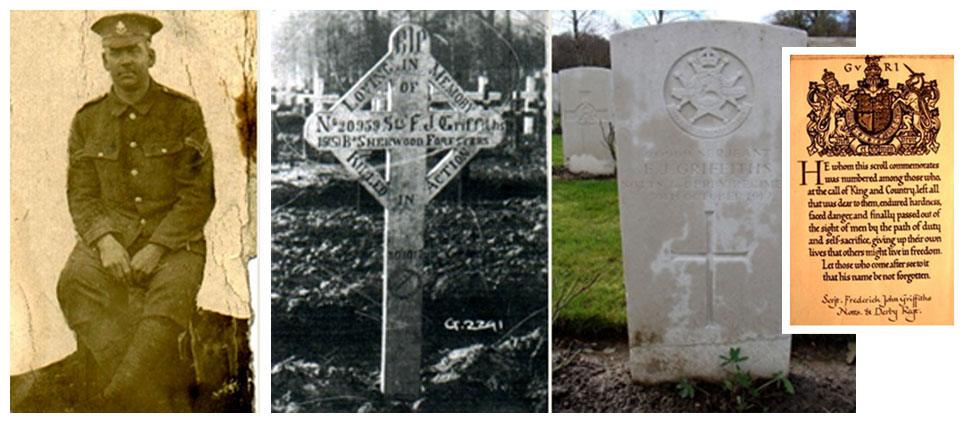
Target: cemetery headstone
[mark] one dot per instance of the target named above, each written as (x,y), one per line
(555,93)
(409,130)
(586,124)
(698,130)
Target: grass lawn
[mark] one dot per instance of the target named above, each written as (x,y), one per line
(557,150)
(586,247)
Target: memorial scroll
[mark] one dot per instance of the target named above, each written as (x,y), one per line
(871,190)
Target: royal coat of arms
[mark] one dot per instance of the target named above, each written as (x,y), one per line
(873,119)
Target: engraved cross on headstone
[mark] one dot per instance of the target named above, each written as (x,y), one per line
(710,257)
(409,131)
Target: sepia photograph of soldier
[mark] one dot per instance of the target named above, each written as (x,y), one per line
(140,186)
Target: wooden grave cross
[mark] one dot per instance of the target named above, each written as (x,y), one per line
(407,129)
(529,97)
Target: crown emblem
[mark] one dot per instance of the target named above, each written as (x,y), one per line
(120,28)
(828,76)
(873,119)
(708,58)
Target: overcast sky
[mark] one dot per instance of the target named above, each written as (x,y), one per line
(626,18)
(630,19)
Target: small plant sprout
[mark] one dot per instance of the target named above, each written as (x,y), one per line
(740,383)
(686,390)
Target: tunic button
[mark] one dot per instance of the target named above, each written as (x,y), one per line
(138,199)
(163,150)
(101,154)
(142,221)
(132,116)
(134,172)
(133,144)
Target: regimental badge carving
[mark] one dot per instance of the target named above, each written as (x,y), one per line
(708,92)
(586,114)
(873,119)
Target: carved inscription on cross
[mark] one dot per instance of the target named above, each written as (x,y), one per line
(710,257)
(410,131)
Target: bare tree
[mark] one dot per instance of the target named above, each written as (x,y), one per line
(658,17)
(580,22)
(583,42)
(589,50)
(818,23)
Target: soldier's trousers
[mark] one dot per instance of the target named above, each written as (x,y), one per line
(105,313)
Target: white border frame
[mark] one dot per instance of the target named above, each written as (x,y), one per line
(785,163)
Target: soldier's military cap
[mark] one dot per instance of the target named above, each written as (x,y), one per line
(125,29)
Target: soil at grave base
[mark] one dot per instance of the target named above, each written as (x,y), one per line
(486,260)
(593,376)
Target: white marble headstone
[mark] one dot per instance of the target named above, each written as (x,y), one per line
(586,96)
(697,116)
(555,93)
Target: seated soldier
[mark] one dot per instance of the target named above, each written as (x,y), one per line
(140,190)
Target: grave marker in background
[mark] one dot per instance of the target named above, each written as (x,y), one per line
(531,98)
(555,93)
(586,97)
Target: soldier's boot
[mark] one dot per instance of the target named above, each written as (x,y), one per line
(104,346)
(150,377)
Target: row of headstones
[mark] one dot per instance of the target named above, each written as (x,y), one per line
(587,128)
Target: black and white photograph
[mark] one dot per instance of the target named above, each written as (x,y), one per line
(409,215)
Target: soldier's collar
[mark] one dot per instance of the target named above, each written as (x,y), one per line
(118,106)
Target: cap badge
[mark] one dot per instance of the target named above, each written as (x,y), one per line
(120,28)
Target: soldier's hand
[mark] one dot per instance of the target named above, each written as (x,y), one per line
(115,259)
(145,262)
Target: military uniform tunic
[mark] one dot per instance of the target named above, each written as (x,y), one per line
(143,173)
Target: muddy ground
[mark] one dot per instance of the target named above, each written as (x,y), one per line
(592,376)
(485,258)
